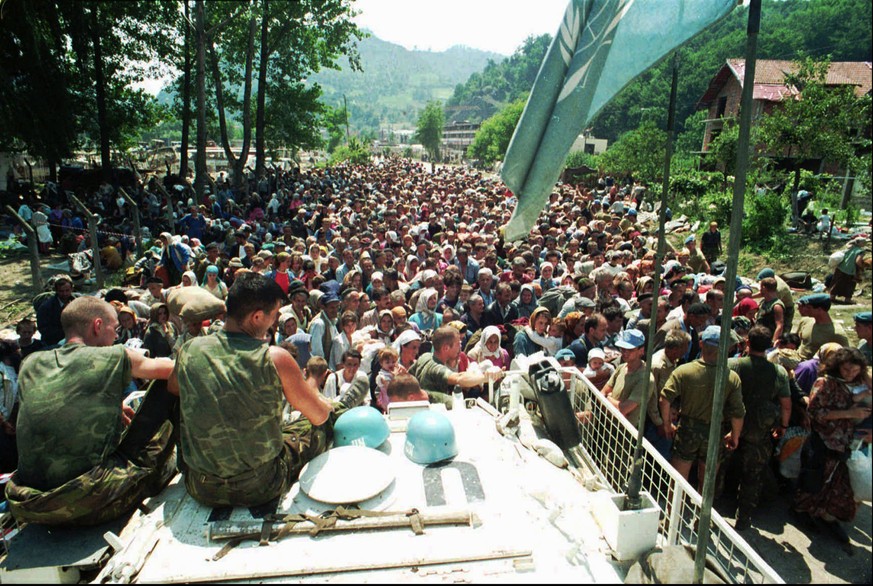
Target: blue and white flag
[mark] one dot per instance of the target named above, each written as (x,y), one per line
(601,46)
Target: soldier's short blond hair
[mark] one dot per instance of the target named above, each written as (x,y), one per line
(81,312)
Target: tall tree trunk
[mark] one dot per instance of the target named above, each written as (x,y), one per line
(247,104)
(219,104)
(186,97)
(260,143)
(200,163)
(100,83)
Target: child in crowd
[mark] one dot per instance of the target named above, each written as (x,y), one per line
(387,358)
(316,372)
(598,369)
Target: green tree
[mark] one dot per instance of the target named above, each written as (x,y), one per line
(639,153)
(429,130)
(723,150)
(492,138)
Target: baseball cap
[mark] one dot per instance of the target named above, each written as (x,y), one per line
(566,354)
(711,335)
(691,238)
(631,339)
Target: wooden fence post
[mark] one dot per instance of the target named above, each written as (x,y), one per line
(137,229)
(95,243)
(33,246)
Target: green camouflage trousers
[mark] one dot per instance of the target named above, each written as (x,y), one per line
(692,439)
(754,453)
(102,494)
(302,443)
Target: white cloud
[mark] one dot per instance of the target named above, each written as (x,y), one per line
(491,25)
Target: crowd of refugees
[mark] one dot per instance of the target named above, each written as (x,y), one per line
(391,281)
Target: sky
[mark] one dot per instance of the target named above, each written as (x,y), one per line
(491,25)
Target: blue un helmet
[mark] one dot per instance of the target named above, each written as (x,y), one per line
(430,438)
(360,426)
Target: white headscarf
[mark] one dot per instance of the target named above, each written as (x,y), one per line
(405,338)
(421,307)
(481,351)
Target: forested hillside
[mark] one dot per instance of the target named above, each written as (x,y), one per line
(395,83)
(789,30)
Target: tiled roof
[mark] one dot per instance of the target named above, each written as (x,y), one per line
(770,76)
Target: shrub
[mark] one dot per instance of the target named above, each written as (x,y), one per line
(764,220)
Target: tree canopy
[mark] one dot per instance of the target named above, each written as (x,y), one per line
(429,131)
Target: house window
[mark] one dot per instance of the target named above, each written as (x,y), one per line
(722,106)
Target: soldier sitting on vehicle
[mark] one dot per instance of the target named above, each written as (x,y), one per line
(77,464)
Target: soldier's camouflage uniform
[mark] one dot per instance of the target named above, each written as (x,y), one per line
(71,471)
(236,450)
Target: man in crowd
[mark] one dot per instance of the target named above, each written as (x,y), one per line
(817,327)
(627,385)
(692,385)
(767,401)
(48,314)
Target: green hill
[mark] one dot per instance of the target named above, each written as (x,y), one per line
(396,83)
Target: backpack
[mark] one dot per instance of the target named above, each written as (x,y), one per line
(554,298)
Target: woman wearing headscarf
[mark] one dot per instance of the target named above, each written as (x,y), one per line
(407,345)
(213,284)
(527,300)
(129,325)
(411,267)
(161,333)
(534,337)
(384,329)
(175,256)
(488,348)
(824,490)
(574,323)
(425,317)
(747,308)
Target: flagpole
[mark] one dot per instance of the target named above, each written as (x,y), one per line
(736,229)
(633,501)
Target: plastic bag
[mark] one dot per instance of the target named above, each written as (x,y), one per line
(861,474)
(836,258)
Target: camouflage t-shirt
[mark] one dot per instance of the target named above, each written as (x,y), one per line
(231,404)
(70,415)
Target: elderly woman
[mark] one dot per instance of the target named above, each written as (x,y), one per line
(534,337)
(824,491)
(425,317)
(527,301)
